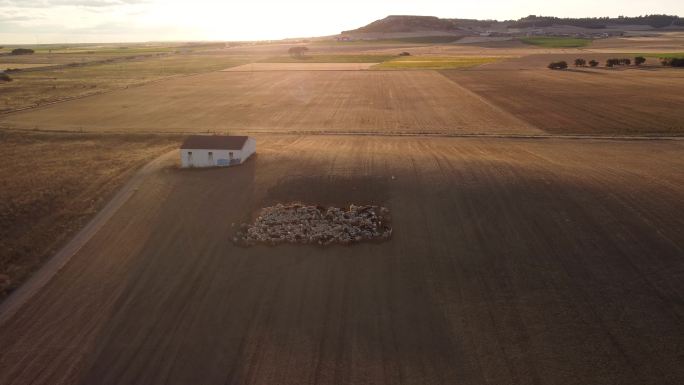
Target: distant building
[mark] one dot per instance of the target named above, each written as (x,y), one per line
(216,150)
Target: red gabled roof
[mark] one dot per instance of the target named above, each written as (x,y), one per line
(214,142)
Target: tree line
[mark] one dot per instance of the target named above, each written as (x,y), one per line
(656,21)
(613,62)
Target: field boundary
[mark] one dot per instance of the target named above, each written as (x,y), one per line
(14,302)
(464,135)
(234,131)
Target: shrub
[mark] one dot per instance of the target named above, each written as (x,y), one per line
(4,77)
(22,51)
(405,54)
(298,52)
(580,62)
(558,65)
(593,63)
(639,60)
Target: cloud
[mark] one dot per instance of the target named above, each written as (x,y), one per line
(69,3)
(14,16)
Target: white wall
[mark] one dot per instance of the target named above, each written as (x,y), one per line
(200,157)
(248,149)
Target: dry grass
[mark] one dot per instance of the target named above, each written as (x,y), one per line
(41,87)
(55,183)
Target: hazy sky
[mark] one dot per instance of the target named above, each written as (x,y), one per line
(72,21)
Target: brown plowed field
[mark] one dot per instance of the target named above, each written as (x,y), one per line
(299,101)
(513,262)
(617,101)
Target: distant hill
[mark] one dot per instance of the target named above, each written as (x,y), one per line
(414,24)
(405,23)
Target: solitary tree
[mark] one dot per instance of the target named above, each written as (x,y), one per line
(297,52)
(580,62)
(639,60)
(593,63)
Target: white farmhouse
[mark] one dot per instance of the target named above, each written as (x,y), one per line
(216,150)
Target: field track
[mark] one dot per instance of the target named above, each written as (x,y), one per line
(513,262)
(259,67)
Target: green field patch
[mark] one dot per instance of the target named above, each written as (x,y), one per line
(5,66)
(669,55)
(330,59)
(435,62)
(556,42)
(113,51)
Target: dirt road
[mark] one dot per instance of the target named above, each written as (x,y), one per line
(9,307)
(513,262)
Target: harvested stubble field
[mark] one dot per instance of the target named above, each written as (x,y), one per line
(284,101)
(52,184)
(512,262)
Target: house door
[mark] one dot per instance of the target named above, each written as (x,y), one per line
(210,157)
(190,158)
